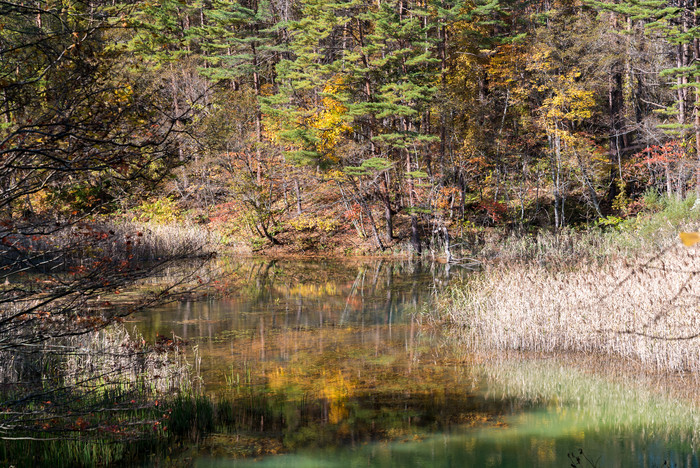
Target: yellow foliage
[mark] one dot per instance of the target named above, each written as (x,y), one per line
(335,174)
(330,119)
(314,291)
(569,100)
(505,69)
(161,211)
(314,223)
(329,385)
(689,239)
(123,94)
(40,201)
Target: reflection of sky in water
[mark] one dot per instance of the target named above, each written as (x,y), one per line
(339,334)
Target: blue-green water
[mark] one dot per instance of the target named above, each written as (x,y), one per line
(331,364)
(481,448)
(598,423)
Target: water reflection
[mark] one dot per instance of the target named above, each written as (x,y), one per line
(272,311)
(320,354)
(329,361)
(302,295)
(553,413)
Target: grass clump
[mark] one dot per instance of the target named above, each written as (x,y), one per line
(191,417)
(644,309)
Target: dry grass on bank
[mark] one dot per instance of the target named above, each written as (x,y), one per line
(153,241)
(647,310)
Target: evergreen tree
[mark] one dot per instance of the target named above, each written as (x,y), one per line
(677,23)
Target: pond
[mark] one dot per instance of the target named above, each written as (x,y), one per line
(330,363)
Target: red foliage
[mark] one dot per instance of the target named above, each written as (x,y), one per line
(668,164)
(353,213)
(495,209)
(667,153)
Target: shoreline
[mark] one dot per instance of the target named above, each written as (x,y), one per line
(643,310)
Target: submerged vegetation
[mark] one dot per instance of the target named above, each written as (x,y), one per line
(623,397)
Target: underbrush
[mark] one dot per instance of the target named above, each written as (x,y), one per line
(651,230)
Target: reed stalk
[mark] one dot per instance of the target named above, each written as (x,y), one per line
(645,309)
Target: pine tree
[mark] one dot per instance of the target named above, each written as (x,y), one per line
(304,79)
(405,67)
(677,23)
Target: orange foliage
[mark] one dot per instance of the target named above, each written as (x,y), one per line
(656,163)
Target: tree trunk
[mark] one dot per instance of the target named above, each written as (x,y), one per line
(368,212)
(555,151)
(415,235)
(589,186)
(696,57)
(388,212)
(297,192)
(415,232)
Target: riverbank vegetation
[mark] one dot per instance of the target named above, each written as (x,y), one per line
(627,293)
(578,400)
(90,400)
(136,134)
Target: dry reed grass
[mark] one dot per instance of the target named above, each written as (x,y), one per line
(51,249)
(646,310)
(99,361)
(97,399)
(116,357)
(151,242)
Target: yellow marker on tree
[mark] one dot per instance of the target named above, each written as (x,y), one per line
(689,239)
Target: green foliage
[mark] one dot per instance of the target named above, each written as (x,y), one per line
(621,200)
(369,167)
(191,417)
(160,211)
(657,228)
(610,221)
(653,201)
(81,198)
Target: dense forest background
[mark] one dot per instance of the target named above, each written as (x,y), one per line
(304,123)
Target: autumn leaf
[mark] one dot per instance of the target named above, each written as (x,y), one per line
(689,239)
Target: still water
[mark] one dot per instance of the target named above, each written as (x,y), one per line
(323,364)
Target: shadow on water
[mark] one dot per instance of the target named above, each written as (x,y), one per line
(329,363)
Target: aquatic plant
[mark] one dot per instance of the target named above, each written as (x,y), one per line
(643,309)
(596,393)
(95,399)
